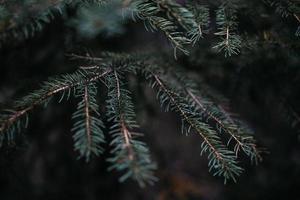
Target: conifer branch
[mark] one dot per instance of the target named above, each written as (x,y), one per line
(88,134)
(148,12)
(22,25)
(243,140)
(221,160)
(215,114)
(129,154)
(287,9)
(181,14)
(202,18)
(62,84)
(227,29)
(224,137)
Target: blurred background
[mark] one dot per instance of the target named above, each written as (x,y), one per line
(263,85)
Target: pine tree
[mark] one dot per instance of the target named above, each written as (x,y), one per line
(188,27)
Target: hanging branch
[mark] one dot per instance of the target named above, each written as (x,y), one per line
(182,15)
(148,11)
(12,122)
(226,20)
(88,134)
(222,161)
(202,18)
(213,113)
(129,154)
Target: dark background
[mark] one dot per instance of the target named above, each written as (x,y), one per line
(263,86)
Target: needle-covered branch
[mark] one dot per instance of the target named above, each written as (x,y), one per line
(213,113)
(149,11)
(222,161)
(129,155)
(226,19)
(88,135)
(11,121)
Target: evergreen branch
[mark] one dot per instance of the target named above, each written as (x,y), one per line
(227,30)
(243,140)
(194,19)
(20,27)
(129,154)
(210,112)
(177,39)
(202,19)
(10,123)
(220,118)
(88,134)
(221,160)
(287,9)
(181,14)
(148,11)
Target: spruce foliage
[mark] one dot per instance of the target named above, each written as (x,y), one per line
(130,155)
(88,134)
(223,137)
